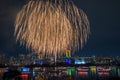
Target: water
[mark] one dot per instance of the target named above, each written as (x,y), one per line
(62,73)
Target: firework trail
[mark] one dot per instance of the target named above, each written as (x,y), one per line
(51,26)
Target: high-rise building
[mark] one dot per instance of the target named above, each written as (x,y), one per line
(2,59)
(22,59)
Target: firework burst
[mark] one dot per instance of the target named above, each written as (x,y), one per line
(51,26)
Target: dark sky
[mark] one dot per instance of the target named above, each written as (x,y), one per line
(104,17)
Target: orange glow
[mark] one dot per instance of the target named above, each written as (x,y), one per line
(67,51)
(1,71)
(40,54)
(82,73)
(24,77)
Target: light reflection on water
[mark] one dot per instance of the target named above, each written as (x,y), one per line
(71,73)
(84,73)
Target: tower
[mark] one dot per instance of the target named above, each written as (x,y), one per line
(40,58)
(68,56)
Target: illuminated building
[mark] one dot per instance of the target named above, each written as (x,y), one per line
(68,56)
(40,58)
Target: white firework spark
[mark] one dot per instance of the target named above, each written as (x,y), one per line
(51,26)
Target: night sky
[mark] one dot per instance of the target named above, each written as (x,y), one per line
(104,17)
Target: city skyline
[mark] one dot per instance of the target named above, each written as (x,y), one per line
(104,23)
